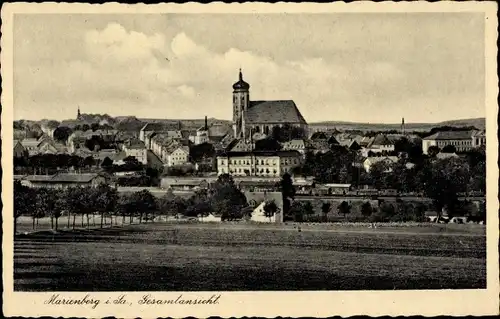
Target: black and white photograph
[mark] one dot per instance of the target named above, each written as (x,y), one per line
(249,151)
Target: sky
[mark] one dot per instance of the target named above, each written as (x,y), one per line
(373,67)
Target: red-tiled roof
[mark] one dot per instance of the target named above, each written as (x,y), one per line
(284,111)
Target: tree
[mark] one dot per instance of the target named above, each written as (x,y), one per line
(325,208)
(432,151)
(24,202)
(449,149)
(308,209)
(107,163)
(89,161)
(145,203)
(344,208)
(62,133)
(366,209)
(267,144)
(287,192)
(226,198)
(297,211)
(43,204)
(106,200)
(270,208)
(444,181)
(124,207)
(199,204)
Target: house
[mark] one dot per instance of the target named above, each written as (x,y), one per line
(241,146)
(167,128)
(19,150)
(370,161)
(137,149)
(479,138)
(201,134)
(186,183)
(461,140)
(175,154)
(380,144)
(257,201)
(63,180)
(258,163)
(299,145)
(100,155)
(30,145)
(48,146)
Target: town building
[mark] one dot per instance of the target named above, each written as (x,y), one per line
(258,163)
(380,144)
(261,116)
(174,154)
(137,149)
(158,128)
(462,140)
(201,135)
(19,150)
(30,145)
(479,138)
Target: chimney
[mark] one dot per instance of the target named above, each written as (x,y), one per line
(206,123)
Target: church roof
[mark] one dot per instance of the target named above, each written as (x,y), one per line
(284,111)
(241,85)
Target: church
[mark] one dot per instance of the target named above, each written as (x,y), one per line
(250,117)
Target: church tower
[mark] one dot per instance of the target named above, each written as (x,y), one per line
(78,115)
(241,102)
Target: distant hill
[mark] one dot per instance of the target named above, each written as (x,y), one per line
(479,123)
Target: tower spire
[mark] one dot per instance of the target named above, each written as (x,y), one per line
(241,75)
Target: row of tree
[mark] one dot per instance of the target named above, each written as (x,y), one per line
(224,198)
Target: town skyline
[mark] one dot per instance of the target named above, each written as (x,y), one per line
(336,67)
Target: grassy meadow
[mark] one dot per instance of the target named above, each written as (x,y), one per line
(196,257)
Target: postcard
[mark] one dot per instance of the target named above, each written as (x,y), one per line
(256,159)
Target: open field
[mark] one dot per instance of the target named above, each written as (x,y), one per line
(196,257)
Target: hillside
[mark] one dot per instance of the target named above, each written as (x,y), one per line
(479,123)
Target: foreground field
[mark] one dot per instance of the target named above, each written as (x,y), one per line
(233,257)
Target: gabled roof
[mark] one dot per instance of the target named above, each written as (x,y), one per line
(135,144)
(284,111)
(295,144)
(319,135)
(30,142)
(450,135)
(380,139)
